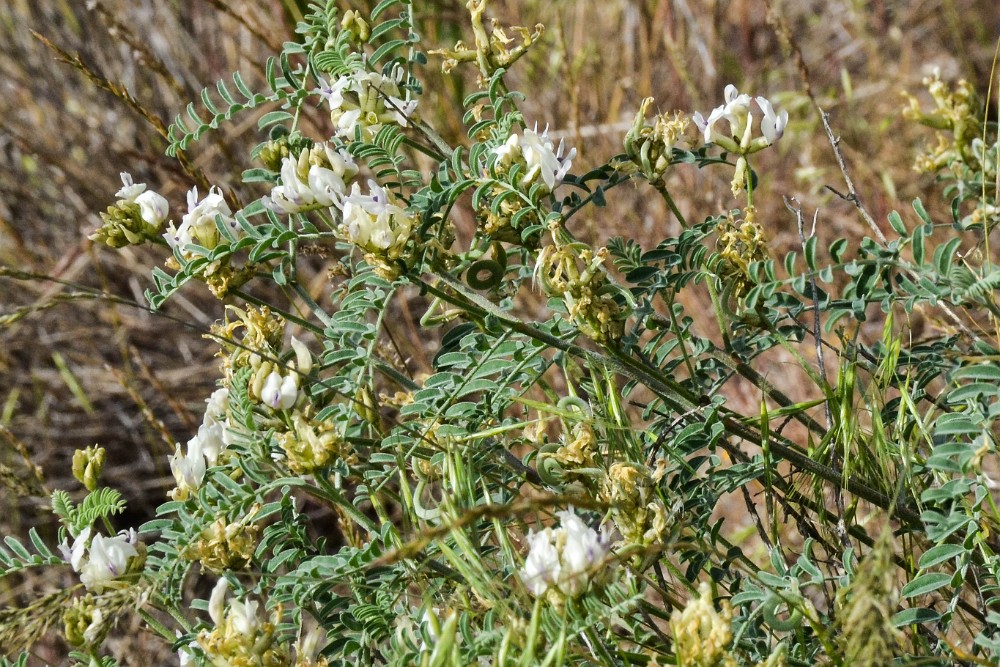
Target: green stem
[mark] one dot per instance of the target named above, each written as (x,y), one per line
(661,187)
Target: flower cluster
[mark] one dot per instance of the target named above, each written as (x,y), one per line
(563,559)
(588,295)
(240,637)
(135,218)
(226,546)
(639,515)
(535,154)
(84,623)
(88,464)
(362,102)
(204,448)
(738,115)
(701,633)
(99,559)
(317,178)
(378,225)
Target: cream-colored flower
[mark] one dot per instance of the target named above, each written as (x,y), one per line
(701,633)
(374,222)
(316,178)
(188,469)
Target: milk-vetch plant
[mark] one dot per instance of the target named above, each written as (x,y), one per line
(548,492)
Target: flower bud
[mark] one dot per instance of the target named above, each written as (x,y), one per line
(357,26)
(88,464)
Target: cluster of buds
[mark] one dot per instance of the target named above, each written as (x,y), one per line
(240,637)
(135,218)
(563,560)
(701,633)
(362,102)
(379,226)
(651,146)
(639,515)
(740,243)
(204,449)
(101,560)
(84,623)
(88,464)
(586,293)
(226,546)
(354,24)
(739,139)
(317,178)
(282,144)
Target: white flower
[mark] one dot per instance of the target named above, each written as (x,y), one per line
(75,555)
(543,161)
(737,114)
(280,392)
(243,616)
(153,208)
(198,225)
(368,100)
(240,617)
(189,469)
(130,190)
(542,567)
(563,558)
(772,126)
(108,559)
(292,195)
(509,151)
(540,159)
(213,430)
